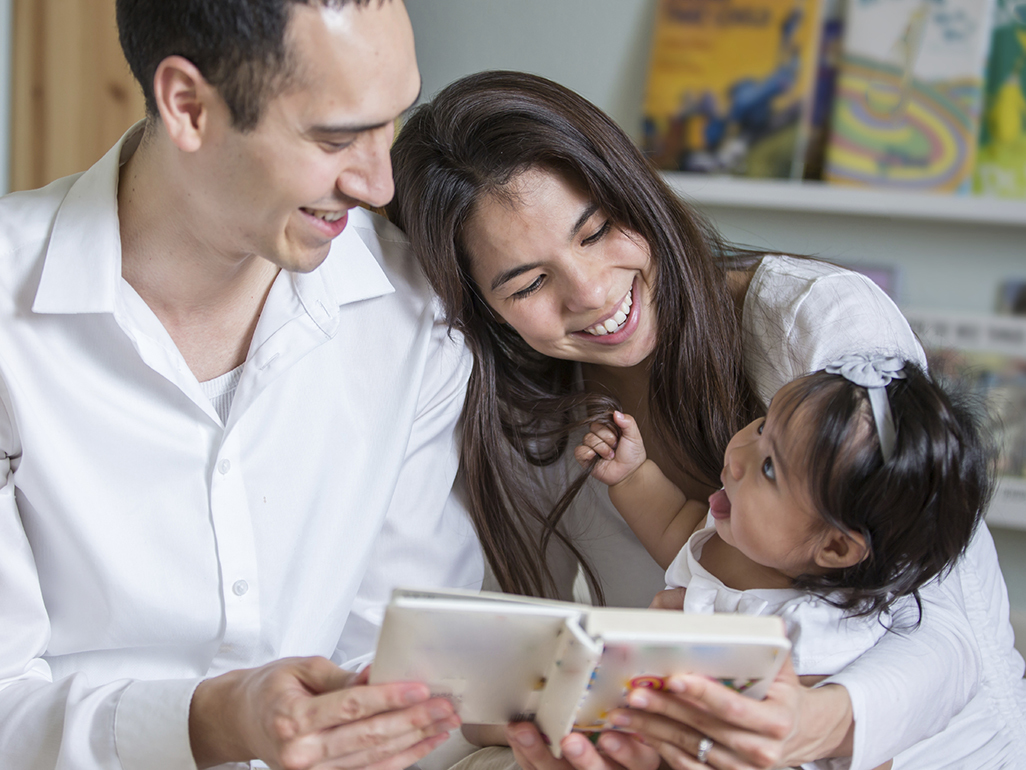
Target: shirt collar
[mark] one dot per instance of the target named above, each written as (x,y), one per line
(350,273)
(83,258)
(82,267)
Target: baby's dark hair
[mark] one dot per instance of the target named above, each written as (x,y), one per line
(918,510)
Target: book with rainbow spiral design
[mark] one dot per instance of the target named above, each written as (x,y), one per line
(909,94)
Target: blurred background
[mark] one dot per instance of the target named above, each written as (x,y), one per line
(952,258)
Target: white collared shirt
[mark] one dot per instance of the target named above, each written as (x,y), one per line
(144,544)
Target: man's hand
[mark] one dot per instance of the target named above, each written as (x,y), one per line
(615,751)
(302,713)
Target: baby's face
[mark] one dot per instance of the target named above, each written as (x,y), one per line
(764,509)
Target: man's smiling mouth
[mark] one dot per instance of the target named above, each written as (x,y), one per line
(327,216)
(616,322)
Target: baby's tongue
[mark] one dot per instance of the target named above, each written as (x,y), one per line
(719,505)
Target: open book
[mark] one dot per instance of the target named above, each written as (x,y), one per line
(564,666)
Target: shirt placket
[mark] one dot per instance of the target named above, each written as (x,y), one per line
(237,559)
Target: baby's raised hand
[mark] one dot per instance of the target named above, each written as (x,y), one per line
(618,459)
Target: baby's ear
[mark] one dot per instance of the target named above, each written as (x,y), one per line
(838,549)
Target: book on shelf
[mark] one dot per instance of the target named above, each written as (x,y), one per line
(502,658)
(1001,160)
(909,94)
(730,86)
(987,355)
(830,45)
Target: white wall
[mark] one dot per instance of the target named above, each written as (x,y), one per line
(6,26)
(599,48)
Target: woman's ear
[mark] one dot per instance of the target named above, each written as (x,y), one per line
(838,549)
(183,98)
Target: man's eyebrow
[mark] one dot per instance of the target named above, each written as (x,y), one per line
(347,130)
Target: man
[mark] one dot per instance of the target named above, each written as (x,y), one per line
(226,410)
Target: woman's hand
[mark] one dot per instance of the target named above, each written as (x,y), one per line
(793,724)
(615,751)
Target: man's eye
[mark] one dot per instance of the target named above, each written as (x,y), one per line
(767,469)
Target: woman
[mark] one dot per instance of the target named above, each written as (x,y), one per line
(574,272)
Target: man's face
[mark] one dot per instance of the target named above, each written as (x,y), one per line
(282,190)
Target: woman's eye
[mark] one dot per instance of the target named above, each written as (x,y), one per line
(767,469)
(529,290)
(597,235)
(759,429)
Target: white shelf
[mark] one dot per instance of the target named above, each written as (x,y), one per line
(818,197)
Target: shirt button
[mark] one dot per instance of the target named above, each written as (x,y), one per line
(240,587)
(224,466)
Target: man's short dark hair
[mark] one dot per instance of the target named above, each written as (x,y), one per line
(238,45)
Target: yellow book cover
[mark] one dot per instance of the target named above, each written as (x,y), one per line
(730,86)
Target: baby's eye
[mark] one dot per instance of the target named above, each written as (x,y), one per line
(767,469)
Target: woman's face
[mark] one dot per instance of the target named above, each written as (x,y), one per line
(550,264)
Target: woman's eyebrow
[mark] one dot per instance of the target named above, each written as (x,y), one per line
(582,220)
(513,272)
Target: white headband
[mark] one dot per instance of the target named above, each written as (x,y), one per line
(874,373)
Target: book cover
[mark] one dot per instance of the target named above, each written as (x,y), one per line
(564,666)
(1001,163)
(987,355)
(730,86)
(909,94)
(830,47)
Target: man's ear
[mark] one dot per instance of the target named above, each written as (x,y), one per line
(838,549)
(184,100)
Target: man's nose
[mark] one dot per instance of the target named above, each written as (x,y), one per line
(367,176)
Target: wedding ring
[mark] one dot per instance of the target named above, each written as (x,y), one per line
(704,746)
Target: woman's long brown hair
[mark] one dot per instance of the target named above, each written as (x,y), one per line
(475,137)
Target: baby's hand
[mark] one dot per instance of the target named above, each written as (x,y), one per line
(619,460)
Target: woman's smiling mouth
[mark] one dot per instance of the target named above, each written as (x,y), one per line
(616,321)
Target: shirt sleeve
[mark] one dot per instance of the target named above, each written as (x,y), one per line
(68,724)
(427,539)
(897,696)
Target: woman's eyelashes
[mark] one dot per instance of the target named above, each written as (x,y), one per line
(528,290)
(537,282)
(598,234)
(768,470)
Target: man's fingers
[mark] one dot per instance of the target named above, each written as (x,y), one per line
(357,703)
(669,599)
(626,751)
(373,739)
(385,741)
(530,750)
(411,755)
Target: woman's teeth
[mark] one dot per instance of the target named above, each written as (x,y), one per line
(615,323)
(327,216)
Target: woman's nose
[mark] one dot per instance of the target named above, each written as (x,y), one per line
(586,291)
